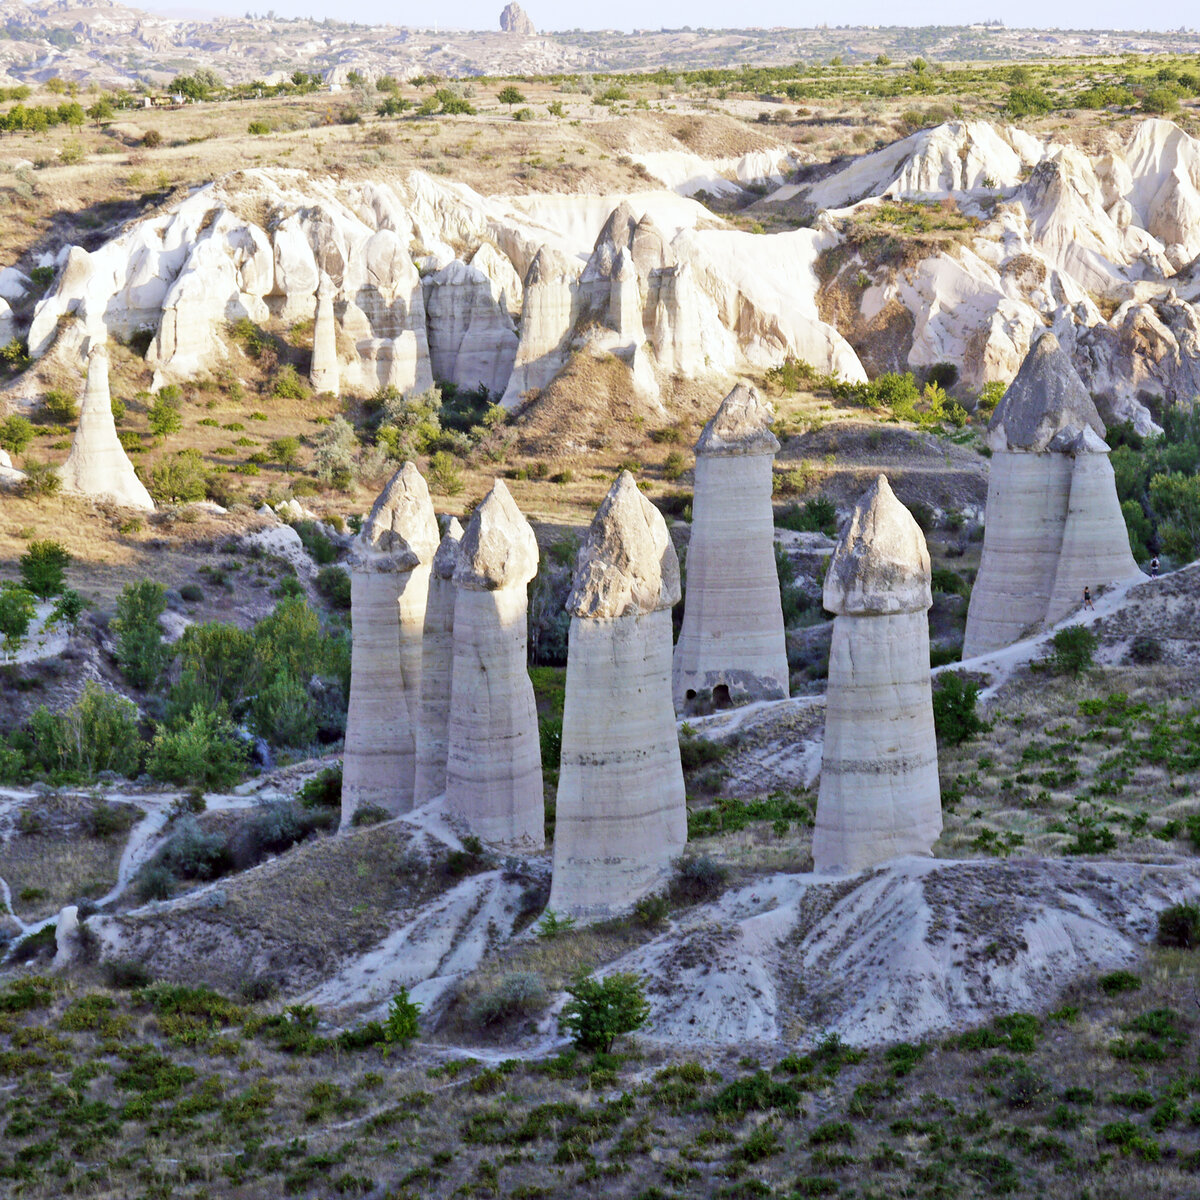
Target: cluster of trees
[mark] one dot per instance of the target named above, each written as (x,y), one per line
(1158,484)
(286,680)
(43,577)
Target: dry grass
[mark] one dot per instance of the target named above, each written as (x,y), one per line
(49,858)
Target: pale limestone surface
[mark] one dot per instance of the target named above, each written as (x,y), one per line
(437,666)
(879,795)
(621,814)
(472,339)
(323,375)
(732,635)
(548,316)
(1049,472)
(389,574)
(1095,548)
(494,763)
(98,465)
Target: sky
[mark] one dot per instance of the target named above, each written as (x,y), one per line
(674,14)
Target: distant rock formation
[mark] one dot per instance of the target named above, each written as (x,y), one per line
(437,667)
(389,573)
(1054,523)
(494,759)
(879,795)
(98,465)
(732,642)
(514,20)
(621,812)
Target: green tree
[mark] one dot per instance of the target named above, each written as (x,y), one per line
(43,568)
(202,750)
(600,1010)
(1176,500)
(17,610)
(140,650)
(401,1027)
(510,95)
(16,432)
(163,417)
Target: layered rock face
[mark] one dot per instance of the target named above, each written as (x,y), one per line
(621,814)
(97,465)
(389,573)
(1045,436)
(1095,545)
(494,761)
(547,318)
(472,340)
(323,374)
(437,667)
(732,640)
(879,794)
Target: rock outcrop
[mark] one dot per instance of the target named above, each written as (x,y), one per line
(732,643)
(879,794)
(494,761)
(437,667)
(472,339)
(323,374)
(389,573)
(98,465)
(513,19)
(1046,436)
(548,316)
(621,813)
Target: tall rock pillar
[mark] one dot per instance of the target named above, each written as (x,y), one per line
(494,759)
(1030,484)
(389,582)
(98,465)
(879,795)
(323,375)
(437,666)
(621,815)
(732,641)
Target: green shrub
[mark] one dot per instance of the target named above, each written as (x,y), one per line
(1116,982)
(59,407)
(334,585)
(954,717)
(163,417)
(369,814)
(444,474)
(1179,925)
(517,995)
(1072,651)
(16,432)
(552,925)
(285,451)
(601,1010)
(203,750)
(97,733)
(333,452)
(401,1025)
(287,384)
(43,568)
(818,515)
(258,128)
(697,880)
(41,481)
(140,650)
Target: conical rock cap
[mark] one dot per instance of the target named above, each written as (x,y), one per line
(627,563)
(881,564)
(742,425)
(446,559)
(499,549)
(402,523)
(1046,397)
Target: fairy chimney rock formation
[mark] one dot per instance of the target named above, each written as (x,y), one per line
(98,465)
(389,574)
(1053,522)
(494,763)
(621,815)
(879,795)
(437,664)
(732,641)
(323,374)
(514,20)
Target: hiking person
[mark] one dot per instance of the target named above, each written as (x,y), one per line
(1087,599)
(1154,567)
